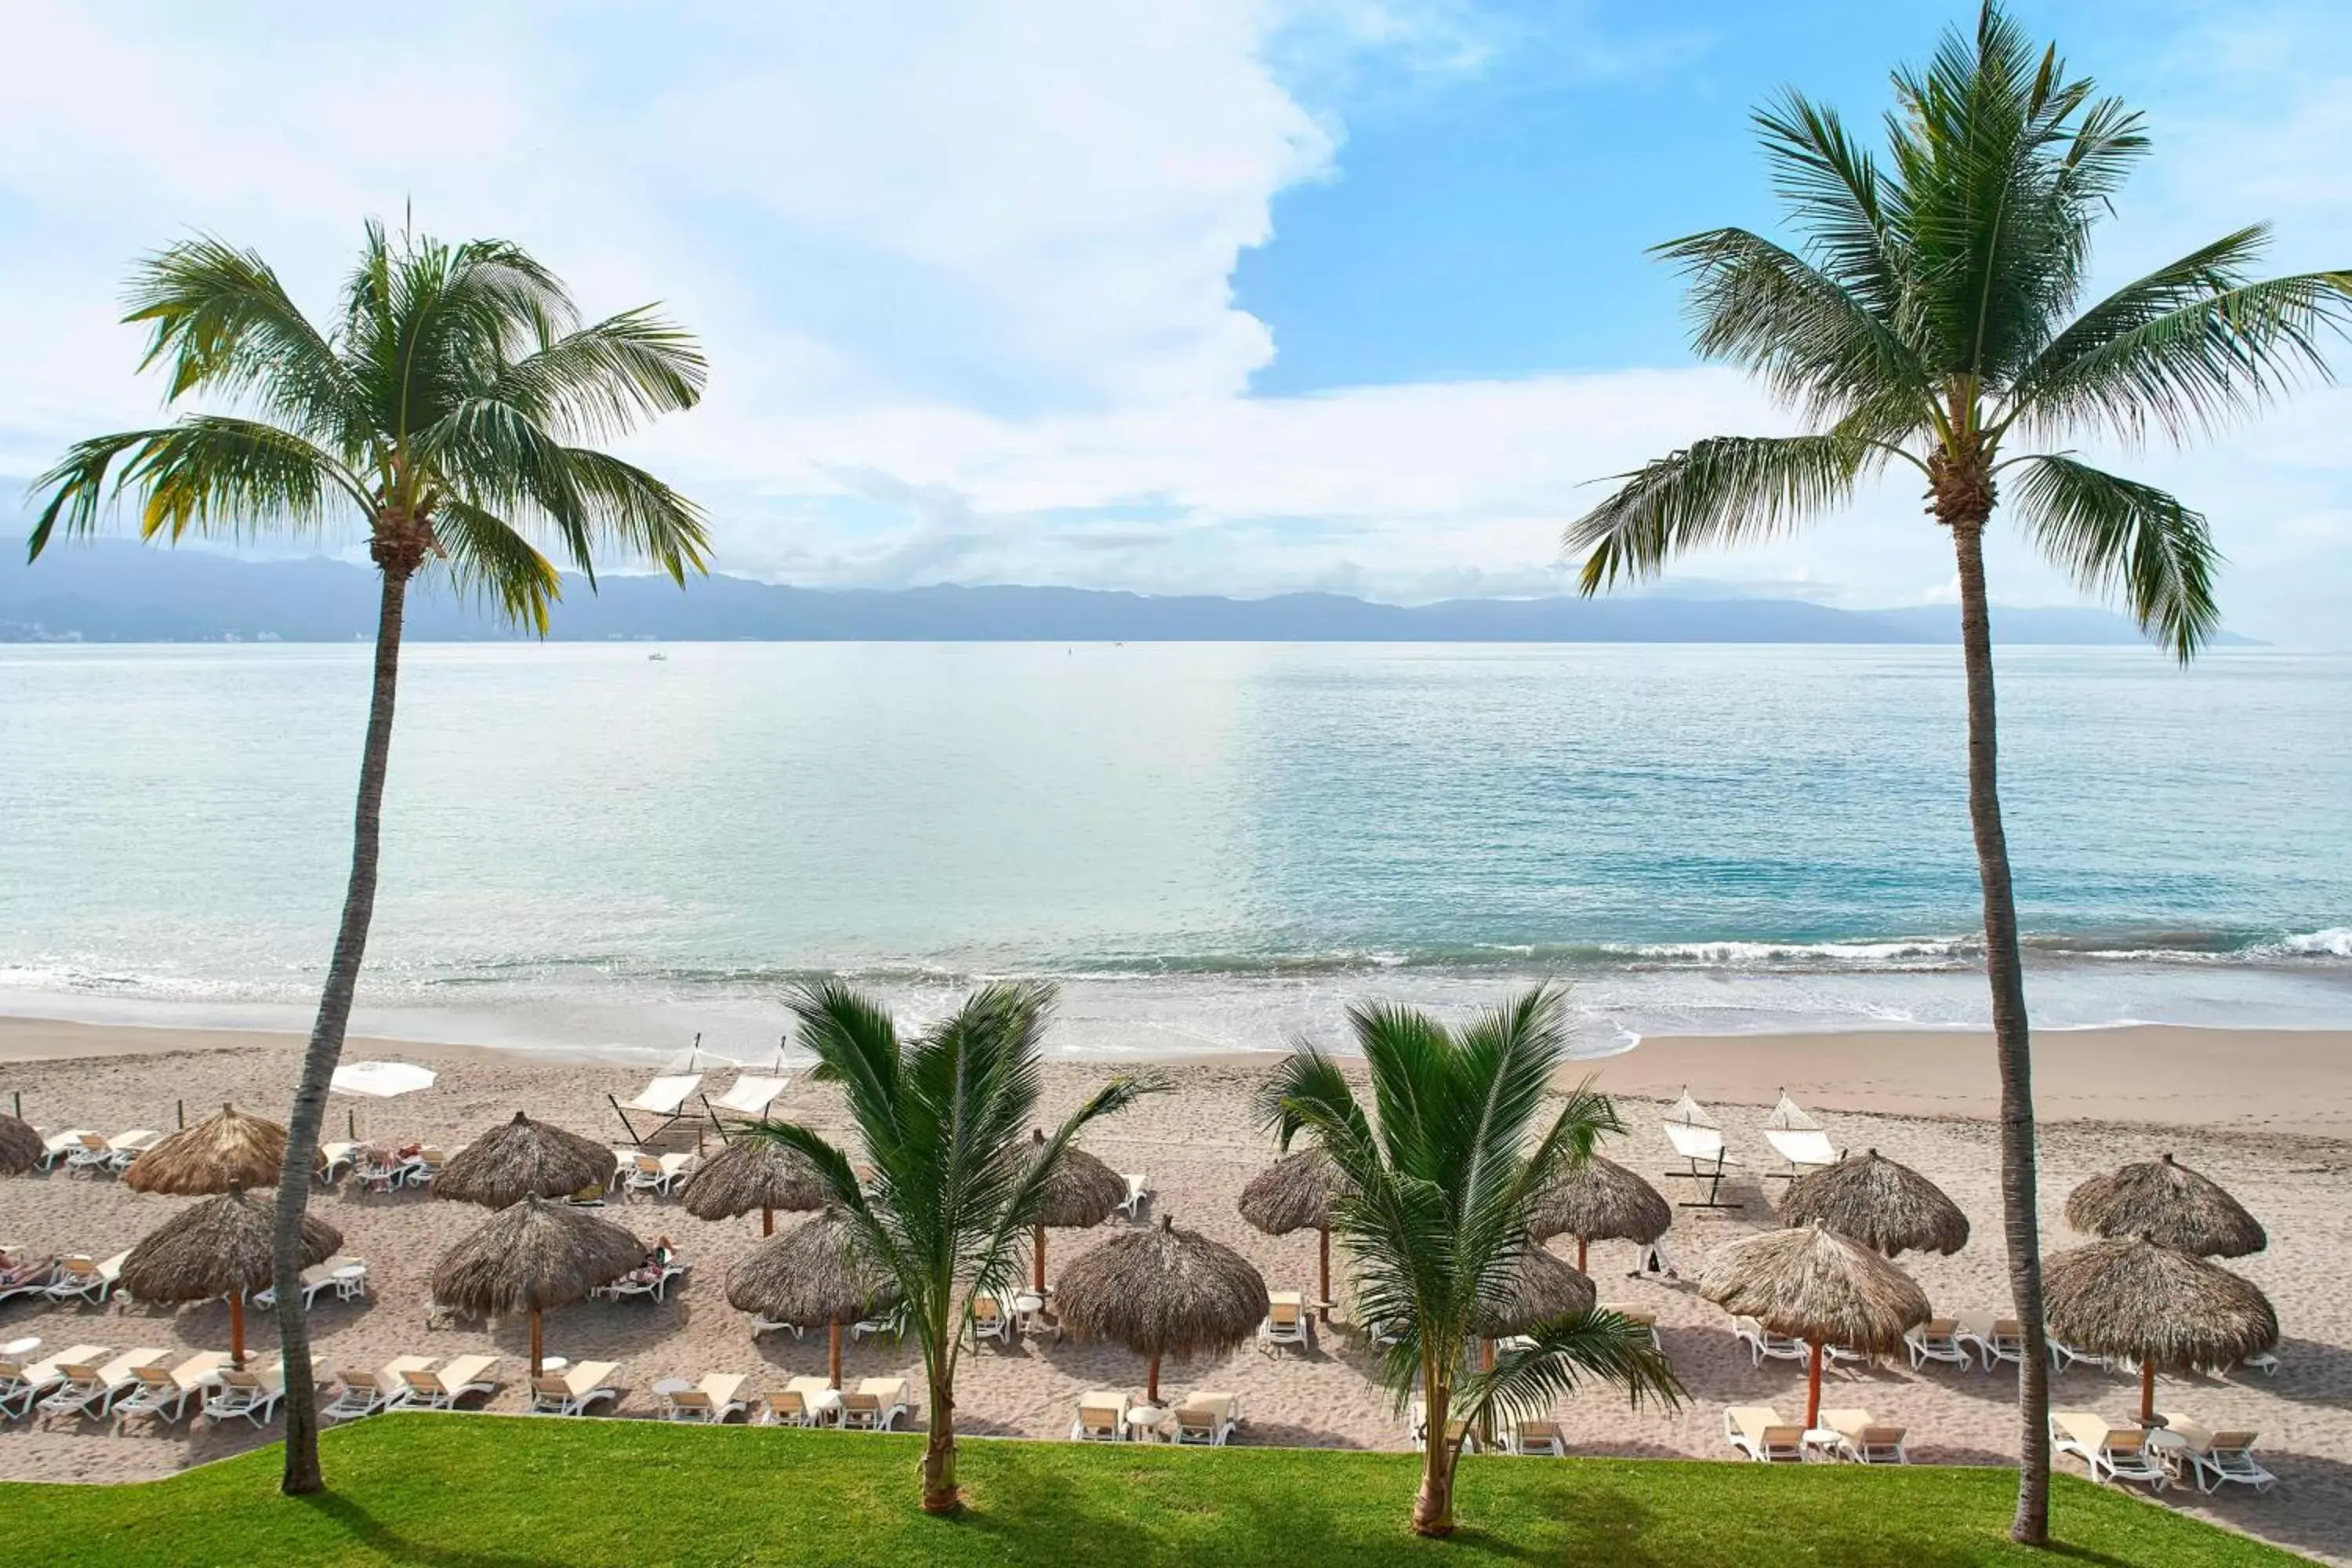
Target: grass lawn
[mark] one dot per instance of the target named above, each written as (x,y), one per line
(492,1491)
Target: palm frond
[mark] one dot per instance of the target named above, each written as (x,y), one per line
(605,379)
(1600,1346)
(235,478)
(490,560)
(1832,189)
(1720,491)
(2111,533)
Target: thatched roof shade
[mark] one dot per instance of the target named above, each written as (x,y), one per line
(1162,1291)
(523,1159)
(1879,1203)
(2156,1304)
(1812,1284)
(816,1272)
(1082,1191)
(218,1248)
(2164,1199)
(1294,1192)
(20,1147)
(752,1173)
(229,1150)
(533,1255)
(1545,1289)
(1600,1200)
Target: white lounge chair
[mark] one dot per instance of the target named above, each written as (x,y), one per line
(25,1274)
(1138,1193)
(1529,1439)
(664,1099)
(989,1320)
(1757,1431)
(1937,1340)
(651,1280)
(1206,1417)
(1457,1430)
(239,1393)
(80,1279)
(166,1394)
(576,1390)
(58,1147)
(2213,1457)
(321,1276)
(1764,1345)
(335,1160)
(875,1405)
(442,1390)
(362,1393)
(891,1325)
(1102,1418)
(1864,1439)
(2063,1357)
(1287,1322)
(1797,1138)
(1699,1143)
(90,1152)
(92,1391)
(711,1400)
(760,1325)
(801,1402)
(2111,1453)
(125,1147)
(23,1386)
(1640,1317)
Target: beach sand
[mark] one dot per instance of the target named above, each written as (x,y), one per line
(2266,1114)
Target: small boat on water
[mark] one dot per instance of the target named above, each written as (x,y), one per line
(655,656)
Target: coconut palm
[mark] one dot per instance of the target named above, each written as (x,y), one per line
(955,1183)
(1441,1181)
(446,406)
(1929,317)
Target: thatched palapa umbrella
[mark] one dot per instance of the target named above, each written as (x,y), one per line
(2156,1305)
(1296,1193)
(1544,1287)
(226,1153)
(1081,1193)
(2167,1201)
(1814,1285)
(1879,1203)
(1161,1291)
(817,1272)
(1595,1199)
(20,1147)
(532,1256)
(753,1174)
(524,1159)
(222,1246)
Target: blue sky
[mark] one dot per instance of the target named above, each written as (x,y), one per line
(1238,296)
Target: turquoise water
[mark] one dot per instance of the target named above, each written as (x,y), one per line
(1210,844)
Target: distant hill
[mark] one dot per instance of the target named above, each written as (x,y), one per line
(117,591)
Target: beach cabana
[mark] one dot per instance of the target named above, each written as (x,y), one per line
(2155,1305)
(1296,1192)
(1596,1199)
(1162,1291)
(1882,1204)
(753,1174)
(222,1246)
(1813,1285)
(817,1272)
(2171,1205)
(226,1151)
(1082,1193)
(21,1148)
(531,1256)
(524,1159)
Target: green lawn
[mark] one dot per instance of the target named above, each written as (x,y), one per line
(490,1491)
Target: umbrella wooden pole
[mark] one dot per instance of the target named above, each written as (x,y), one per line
(1152,1382)
(534,1342)
(1323,1274)
(832,1352)
(236,1327)
(1038,1261)
(1813,1388)
(767,1220)
(1580,1244)
(2148,1393)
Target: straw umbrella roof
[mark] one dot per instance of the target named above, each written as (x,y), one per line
(1294,1192)
(1879,1203)
(752,1173)
(2156,1304)
(1600,1200)
(221,1246)
(2166,1200)
(1544,1288)
(1162,1289)
(533,1254)
(1082,1191)
(20,1147)
(523,1159)
(817,1272)
(1810,1283)
(222,1152)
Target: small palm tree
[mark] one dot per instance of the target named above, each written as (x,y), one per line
(1931,319)
(956,1184)
(1443,1178)
(444,408)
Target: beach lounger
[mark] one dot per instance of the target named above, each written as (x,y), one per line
(711,1400)
(1757,1431)
(125,1147)
(362,1393)
(321,1276)
(1641,1317)
(802,1402)
(658,1174)
(1102,1418)
(892,1324)
(652,1280)
(1457,1431)
(663,1100)
(1699,1143)
(1937,1340)
(2111,1453)
(1528,1439)
(442,1390)
(1763,1344)
(1287,1322)
(80,1279)
(1797,1138)
(422,1169)
(166,1394)
(576,1390)
(2064,1357)
(335,1160)
(28,1276)
(242,1394)
(1207,1417)
(24,1386)
(91,1153)
(1864,1439)
(59,1147)
(990,1321)
(2213,1457)
(92,1391)
(1138,1193)
(875,1405)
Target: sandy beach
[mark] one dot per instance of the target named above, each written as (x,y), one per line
(2265,1113)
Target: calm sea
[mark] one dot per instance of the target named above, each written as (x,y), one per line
(1211,845)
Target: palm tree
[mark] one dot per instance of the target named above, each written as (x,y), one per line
(955,1184)
(442,407)
(1440,1185)
(1930,319)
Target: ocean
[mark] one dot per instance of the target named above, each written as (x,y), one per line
(1212,846)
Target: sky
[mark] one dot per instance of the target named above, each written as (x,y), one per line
(1235,296)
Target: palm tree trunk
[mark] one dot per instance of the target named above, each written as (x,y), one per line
(2020,1217)
(939,1492)
(325,1049)
(1433,1505)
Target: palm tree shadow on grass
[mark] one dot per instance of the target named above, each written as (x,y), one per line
(365,1528)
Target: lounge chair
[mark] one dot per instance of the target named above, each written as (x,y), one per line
(650,1280)
(1531,1438)
(239,1393)
(711,1400)
(2213,1457)
(164,1394)
(1206,1417)
(1763,1344)
(1797,1138)
(1287,1323)
(576,1390)
(92,1391)
(58,1147)
(875,1405)
(802,1402)
(662,1100)
(990,1321)
(1937,1340)
(26,1276)
(2111,1453)
(1641,1317)
(442,1390)
(321,1276)
(1457,1431)
(335,1160)
(1102,1418)
(2064,1357)
(891,1324)
(1864,1439)
(22,1386)
(425,1166)
(361,1393)
(1699,1143)
(1138,1193)
(1757,1431)
(125,1147)
(80,1279)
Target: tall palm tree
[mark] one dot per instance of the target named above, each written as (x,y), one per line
(955,1188)
(445,407)
(1929,317)
(1443,1181)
